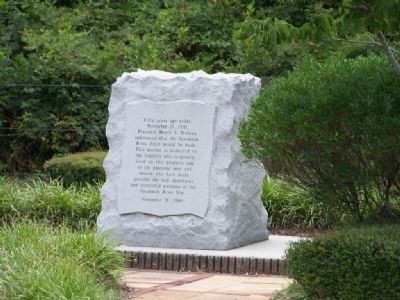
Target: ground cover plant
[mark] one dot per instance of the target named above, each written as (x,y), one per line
(350,263)
(50,202)
(41,262)
(318,129)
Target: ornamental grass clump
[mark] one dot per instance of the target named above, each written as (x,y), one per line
(291,207)
(49,202)
(41,262)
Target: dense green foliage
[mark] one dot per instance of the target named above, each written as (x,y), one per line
(59,58)
(292,292)
(334,129)
(39,262)
(79,168)
(49,202)
(371,23)
(359,263)
(289,206)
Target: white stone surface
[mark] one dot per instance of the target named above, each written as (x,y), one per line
(234,216)
(273,248)
(166,158)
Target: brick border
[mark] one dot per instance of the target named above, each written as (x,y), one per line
(195,262)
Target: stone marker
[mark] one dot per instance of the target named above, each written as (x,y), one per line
(175,174)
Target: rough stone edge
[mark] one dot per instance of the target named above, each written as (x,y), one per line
(203,263)
(115,219)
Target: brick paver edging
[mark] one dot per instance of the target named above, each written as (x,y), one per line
(194,262)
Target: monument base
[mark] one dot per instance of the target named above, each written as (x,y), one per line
(265,257)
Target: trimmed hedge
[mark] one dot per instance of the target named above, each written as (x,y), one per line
(78,168)
(356,263)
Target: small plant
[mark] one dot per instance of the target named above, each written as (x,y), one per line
(50,202)
(289,206)
(291,292)
(78,168)
(351,263)
(39,262)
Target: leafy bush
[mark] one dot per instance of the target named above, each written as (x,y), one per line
(78,168)
(38,262)
(358,263)
(292,292)
(50,202)
(332,128)
(289,206)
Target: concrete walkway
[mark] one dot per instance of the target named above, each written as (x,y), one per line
(166,285)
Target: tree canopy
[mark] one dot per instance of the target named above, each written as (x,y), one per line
(58,58)
(370,22)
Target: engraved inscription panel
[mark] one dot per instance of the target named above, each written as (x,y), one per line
(166,158)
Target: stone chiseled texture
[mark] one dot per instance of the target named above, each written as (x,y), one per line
(235,215)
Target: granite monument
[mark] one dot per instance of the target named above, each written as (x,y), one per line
(175,175)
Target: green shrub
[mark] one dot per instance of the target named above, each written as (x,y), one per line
(292,292)
(358,263)
(78,168)
(289,206)
(333,128)
(49,201)
(38,262)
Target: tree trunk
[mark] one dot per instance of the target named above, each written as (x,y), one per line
(389,53)
(356,203)
(387,209)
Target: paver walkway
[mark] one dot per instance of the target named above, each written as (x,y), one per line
(166,285)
